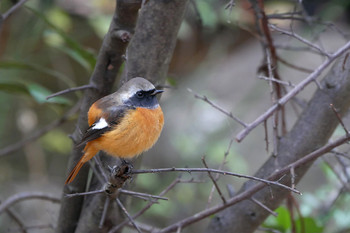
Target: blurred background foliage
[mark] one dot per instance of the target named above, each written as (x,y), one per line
(47,46)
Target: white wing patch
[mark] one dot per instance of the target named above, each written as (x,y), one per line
(102,123)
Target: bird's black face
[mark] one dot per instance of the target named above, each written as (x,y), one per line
(144,99)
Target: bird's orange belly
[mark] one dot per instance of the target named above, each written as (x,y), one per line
(136,133)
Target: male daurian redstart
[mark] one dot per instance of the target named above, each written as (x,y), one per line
(123,124)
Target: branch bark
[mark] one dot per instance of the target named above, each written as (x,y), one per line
(148,56)
(109,61)
(312,130)
(151,49)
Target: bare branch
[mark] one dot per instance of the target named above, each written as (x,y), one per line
(104,213)
(5,15)
(292,177)
(83,87)
(190,170)
(214,181)
(229,114)
(302,69)
(17,219)
(276,80)
(137,194)
(302,39)
(263,206)
(255,188)
(143,210)
(299,87)
(128,215)
(220,168)
(69,195)
(28,195)
(144,227)
(339,118)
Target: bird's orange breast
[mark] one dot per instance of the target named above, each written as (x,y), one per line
(137,132)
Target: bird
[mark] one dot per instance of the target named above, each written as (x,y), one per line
(123,124)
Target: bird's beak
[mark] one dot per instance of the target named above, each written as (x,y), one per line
(155,92)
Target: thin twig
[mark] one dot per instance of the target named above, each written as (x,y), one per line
(128,215)
(292,177)
(122,191)
(11,10)
(144,227)
(104,213)
(68,90)
(33,227)
(214,181)
(300,38)
(220,168)
(299,87)
(149,196)
(277,81)
(17,219)
(143,210)
(302,69)
(339,119)
(338,174)
(264,206)
(273,99)
(335,152)
(190,170)
(230,6)
(96,171)
(229,114)
(69,195)
(99,164)
(28,195)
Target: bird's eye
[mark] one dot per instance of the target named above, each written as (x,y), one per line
(140,94)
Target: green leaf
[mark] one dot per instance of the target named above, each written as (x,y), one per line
(310,225)
(76,56)
(14,88)
(71,43)
(172,82)
(39,93)
(281,222)
(56,141)
(22,65)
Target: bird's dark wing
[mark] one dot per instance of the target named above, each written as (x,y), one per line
(110,118)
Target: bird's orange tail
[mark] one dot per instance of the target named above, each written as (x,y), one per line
(75,171)
(90,151)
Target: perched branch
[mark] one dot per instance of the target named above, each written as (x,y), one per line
(191,170)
